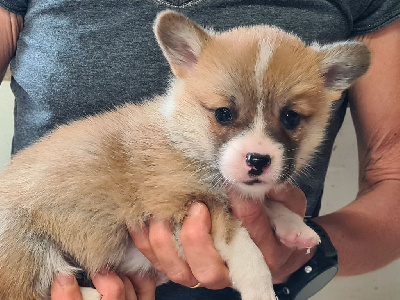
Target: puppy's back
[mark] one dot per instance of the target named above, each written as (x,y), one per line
(71,193)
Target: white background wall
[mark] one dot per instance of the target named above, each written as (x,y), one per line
(6,122)
(340,189)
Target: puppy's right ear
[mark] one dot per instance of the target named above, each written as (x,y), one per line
(342,63)
(181,41)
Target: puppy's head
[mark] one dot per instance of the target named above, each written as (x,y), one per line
(254,102)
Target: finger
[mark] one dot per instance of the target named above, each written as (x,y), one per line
(255,220)
(65,287)
(253,217)
(140,237)
(145,287)
(204,260)
(292,197)
(164,247)
(109,285)
(130,291)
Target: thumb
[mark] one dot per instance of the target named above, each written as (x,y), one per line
(253,217)
(246,209)
(292,197)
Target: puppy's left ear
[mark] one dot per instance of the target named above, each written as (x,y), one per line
(342,63)
(181,40)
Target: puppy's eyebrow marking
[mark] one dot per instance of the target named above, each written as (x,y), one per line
(264,55)
(229,101)
(232,100)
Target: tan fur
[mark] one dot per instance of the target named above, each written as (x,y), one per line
(74,193)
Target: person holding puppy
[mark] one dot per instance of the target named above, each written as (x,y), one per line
(66,52)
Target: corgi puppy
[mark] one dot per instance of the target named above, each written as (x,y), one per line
(246,111)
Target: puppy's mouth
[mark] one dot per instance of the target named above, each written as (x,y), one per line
(253,182)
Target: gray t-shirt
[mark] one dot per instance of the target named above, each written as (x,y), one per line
(76,58)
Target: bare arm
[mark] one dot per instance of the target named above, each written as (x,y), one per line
(367,232)
(10,27)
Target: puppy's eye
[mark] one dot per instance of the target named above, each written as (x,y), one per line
(290,119)
(223,115)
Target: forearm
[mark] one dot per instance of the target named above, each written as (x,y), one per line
(365,233)
(10,26)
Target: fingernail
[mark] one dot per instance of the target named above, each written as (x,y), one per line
(65,280)
(195,209)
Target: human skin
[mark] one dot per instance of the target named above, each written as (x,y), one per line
(109,285)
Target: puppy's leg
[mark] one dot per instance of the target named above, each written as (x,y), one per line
(247,268)
(90,294)
(290,228)
(28,268)
(134,262)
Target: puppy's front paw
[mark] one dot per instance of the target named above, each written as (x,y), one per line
(297,235)
(290,228)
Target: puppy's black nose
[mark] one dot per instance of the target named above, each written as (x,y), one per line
(257,162)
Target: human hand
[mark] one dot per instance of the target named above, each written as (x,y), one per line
(110,286)
(203,263)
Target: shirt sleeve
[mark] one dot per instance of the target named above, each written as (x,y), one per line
(374,15)
(18,7)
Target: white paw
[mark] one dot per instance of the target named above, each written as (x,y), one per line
(290,228)
(90,294)
(295,235)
